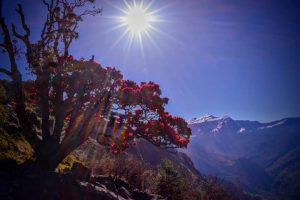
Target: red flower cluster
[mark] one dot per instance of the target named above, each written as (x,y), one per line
(147,118)
(94,89)
(165,130)
(117,148)
(146,94)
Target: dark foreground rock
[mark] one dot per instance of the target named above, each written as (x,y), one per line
(28,181)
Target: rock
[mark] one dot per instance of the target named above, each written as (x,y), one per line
(144,195)
(7,164)
(120,183)
(107,181)
(91,191)
(81,172)
(28,181)
(124,192)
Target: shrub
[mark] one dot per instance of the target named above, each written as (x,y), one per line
(137,173)
(170,182)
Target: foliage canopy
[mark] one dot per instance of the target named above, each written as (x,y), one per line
(71,99)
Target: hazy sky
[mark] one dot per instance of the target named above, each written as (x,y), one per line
(236,58)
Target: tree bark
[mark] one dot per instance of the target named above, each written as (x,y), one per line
(74,139)
(43,84)
(59,110)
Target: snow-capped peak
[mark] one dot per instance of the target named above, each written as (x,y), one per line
(207,118)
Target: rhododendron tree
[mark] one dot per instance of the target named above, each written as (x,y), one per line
(70,99)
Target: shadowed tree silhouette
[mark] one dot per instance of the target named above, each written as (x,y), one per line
(70,99)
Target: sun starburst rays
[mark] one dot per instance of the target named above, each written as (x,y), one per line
(138,22)
(136,19)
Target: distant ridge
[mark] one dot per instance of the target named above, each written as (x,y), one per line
(225,147)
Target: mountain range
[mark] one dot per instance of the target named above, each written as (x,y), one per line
(250,158)
(261,158)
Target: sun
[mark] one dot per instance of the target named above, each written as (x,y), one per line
(137,19)
(137,22)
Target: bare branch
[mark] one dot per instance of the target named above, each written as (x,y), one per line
(8,45)
(0,8)
(49,19)
(5,71)
(44,28)
(24,38)
(91,12)
(47,4)
(3,46)
(18,35)
(24,25)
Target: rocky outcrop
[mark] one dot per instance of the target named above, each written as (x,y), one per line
(81,172)
(28,181)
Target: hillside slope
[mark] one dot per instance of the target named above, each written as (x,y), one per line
(260,157)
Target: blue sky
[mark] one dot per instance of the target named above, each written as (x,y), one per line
(235,58)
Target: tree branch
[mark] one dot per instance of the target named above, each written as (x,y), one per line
(0,8)
(49,20)
(47,4)
(24,25)
(8,46)
(5,71)
(24,38)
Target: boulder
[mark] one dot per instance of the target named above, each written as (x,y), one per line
(81,172)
